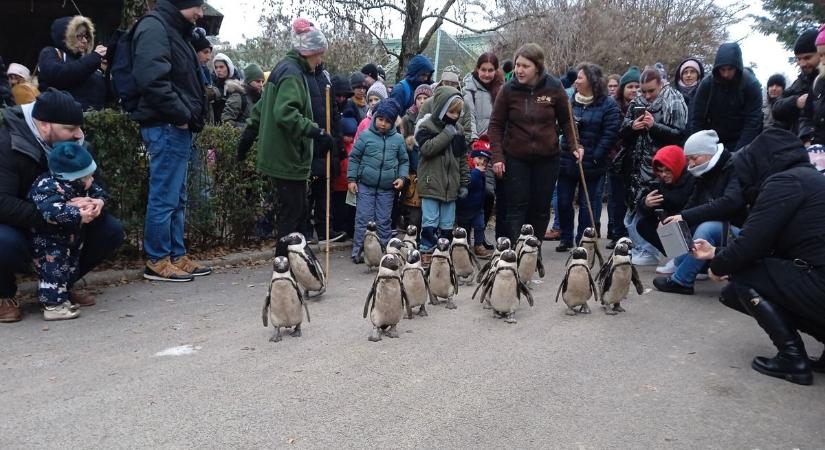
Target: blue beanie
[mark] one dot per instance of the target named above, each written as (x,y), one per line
(388,109)
(70,161)
(349,126)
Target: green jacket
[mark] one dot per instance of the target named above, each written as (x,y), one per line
(442,167)
(283,118)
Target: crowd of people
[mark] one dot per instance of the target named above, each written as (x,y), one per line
(508,142)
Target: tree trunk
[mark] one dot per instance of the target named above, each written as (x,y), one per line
(409,39)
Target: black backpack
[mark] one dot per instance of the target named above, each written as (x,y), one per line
(124,84)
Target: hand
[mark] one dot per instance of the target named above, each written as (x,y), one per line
(647,119)
(352,187)
(717,278)
(80,202)
(654,199)
(398,184)
(463,192)
(499,169)
(702,250)
(639,123)
(87,215)
(96,206)
(579,154)
(325,142)
(676,218)
(101,50)
(800,101)
(451,130)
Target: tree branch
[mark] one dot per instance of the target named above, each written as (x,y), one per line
(369,29)
(360,5)
(436,25)
(485,30)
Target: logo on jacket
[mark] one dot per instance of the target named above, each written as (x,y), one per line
(545,100)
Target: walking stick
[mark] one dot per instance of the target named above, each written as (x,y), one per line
(329,172)
(581,170)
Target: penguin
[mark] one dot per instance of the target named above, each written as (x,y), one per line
(415,283)
(607,262)
(465,261)
(410,239)
(373,250)
(577,286)
(502,244)
(503,288)
(305,266)
(529,260)
(441,275)
(591,243)
(615,284)
(526,232)
(284,305)
(387,299)
(396,247)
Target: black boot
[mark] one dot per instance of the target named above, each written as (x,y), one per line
(791,363)
(446,234)
(429,235)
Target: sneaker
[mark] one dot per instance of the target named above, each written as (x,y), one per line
(666,284)
(81,298)
(10,310)
(164,270)
(482,252)
(191,267)
(63,311)
(668,268)
(565,247)
(644,259)
(552,235)
(334,237)
(702,277)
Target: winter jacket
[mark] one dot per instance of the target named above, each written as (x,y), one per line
(688,92)
(716,196)
(69,69)
(785,113)
(51,196)
(166,71)
(283,121)
(474,202)
(442,167)
(787,197)
(812,118)
(676,194)
(340,183)
(598,125)
(317,82)
(404,90)
(353,110)
(5,91)
(238,105)
(525,119)
(479,101)
(732,108)
(378,159)
(466,119)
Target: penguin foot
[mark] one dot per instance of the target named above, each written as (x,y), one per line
(296,332)
(409,315)
(422,311)
(487,305)
(618,308)
(450,304)
(511,318)
(584,309)
(375,335)
(391,332)
(570,312)
(277,336)
(610,312)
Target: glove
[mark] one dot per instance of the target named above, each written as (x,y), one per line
(451,130)
(463,192)
(459,146)
(247,139)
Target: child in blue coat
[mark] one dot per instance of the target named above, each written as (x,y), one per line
(470,209)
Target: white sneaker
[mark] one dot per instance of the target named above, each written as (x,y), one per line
(668,268)
(702,277)
(644,259)
(63,311)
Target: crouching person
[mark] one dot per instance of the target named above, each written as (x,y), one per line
(776,266)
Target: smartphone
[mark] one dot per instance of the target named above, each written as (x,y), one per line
(638,111)
(660,214)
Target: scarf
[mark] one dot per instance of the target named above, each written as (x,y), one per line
(583,100)
(701,169)
(669,108)
(359,103)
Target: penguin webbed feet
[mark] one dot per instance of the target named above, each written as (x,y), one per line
(375,335)
(391,332)
(618,308)
(570,311)
(450,304)
(422,311)
(277,336)
(584,309)
(296,332)
(511,318)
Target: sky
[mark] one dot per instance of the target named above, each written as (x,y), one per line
(241,22)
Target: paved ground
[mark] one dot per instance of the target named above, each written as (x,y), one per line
(672,372)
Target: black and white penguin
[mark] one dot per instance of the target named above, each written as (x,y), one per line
(502,244)
(284,305)
(305,266)
(526,232)
(503,288)
(590,242)
(415,283)
(410,239)
(396,247)
(387,300)
(577,286)
(615,284)
(464,260)
(441,275)
(373,250)
(529,260)
(609,260)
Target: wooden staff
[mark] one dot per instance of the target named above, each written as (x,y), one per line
(581,168)
(329,172)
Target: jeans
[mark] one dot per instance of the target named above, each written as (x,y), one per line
(291,209)
(435,214)
(169,150)
(686,265)
(616,207)
(372,205)
(556,224)
(472,220)
(634,220)
(566,190)
(529,185)
(101,238)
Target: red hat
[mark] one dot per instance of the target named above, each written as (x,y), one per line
(672,157)
(482,143)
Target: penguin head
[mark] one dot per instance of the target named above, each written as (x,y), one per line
(508,256)
(412,230)
(502,244)
(443,244)
(621,249)
(527,229)
(395,243)
(371,226)
(589,232)
(413,256)
(459,233)
(295,239)
(281,264)
(389,262)
(626,241)
(578,253)
(532,241)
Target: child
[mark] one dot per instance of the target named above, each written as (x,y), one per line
(410,201)
(375,94)
(377,167)
(57,246)
(442,170)
(470,210)
(343,215)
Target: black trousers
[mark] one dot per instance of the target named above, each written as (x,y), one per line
(501,210)
(343,215)
(529,186)
(646,228)
(291,212)
(317,208)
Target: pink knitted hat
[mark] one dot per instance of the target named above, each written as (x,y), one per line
(820,38)
(307,39)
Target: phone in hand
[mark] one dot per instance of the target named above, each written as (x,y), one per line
(638,111)
(660,214)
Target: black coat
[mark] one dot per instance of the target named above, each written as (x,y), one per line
(716,196)
(812,119)
(784,111)
(787,196)
(317,83)
(675,195)
(732,108)
(22,160)
(166,70)
(598,125)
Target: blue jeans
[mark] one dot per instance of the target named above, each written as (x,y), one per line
(169,150)
(101,238)
(616,207)
(435,214)
(686,265)
(640,245)
(566,190)
(556,225)
(372,205)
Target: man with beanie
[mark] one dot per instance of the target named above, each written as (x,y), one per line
(356,106)
(787,109)
(419,71)
(54,117)
(171,107)
(776,86)
(284,120)
(728,102)
(715,205)
(57,245)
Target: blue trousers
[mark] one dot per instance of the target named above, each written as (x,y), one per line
(566,191)
(372,204)
(686,265)
(435,214)
(169,150)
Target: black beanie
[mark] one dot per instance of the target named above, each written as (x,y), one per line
(806,42)
(775,79)
(341,86)
(186,4)
(371,70)
(55,106)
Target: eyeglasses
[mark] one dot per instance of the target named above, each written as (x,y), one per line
(83,37)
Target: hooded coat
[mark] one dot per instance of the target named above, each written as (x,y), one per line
(716,196)
(479,100)
(688,91)
(404,90)
(733,108)
(64,66)
(238,104)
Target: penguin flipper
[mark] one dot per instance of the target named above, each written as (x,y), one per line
(604,269)
(606,283)
(301,299)
(453,276)
(593,286)
(479,286)
(636,280)
(474,259)
(427,286)
(370,297)
(598,255)
(405,301)
(483,272)
(563,285)
(526,291)
(540,264)
(267,301)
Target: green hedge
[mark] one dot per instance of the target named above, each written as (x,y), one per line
(227,199)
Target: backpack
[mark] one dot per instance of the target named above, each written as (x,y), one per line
(124,84)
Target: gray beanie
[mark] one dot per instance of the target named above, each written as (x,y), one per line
(705,142)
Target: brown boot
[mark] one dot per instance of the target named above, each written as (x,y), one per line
(10,310)
(426,259)
(482,252)
(82,298)
(552,235)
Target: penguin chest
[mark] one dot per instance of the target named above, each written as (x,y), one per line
(619,285)
(527,267)
(578,287)
(388,308)
(504,293)
(285,309)
(302,272)
(372,250)
(462,263)
(591,252)
(441,283)
(415,287)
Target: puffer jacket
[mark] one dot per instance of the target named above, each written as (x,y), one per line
(812,117)
(64,66)
(442,168)
(480,102)
(716,196)
(598,125)
(378,159)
